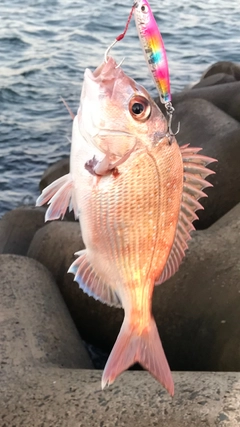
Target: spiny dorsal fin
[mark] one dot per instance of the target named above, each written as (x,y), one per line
(195,172)
(91,283)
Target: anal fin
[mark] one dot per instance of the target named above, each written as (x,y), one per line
(91,283)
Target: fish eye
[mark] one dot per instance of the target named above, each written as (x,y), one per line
(139,108)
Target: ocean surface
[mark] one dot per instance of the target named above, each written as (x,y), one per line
(45,45)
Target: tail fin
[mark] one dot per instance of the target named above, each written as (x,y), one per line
(146,349)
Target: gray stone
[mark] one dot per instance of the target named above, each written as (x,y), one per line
(225,96)
(72,398)
(206,126)
(214,79)
(226,67)
(54,172)
(36,328)
(18,227)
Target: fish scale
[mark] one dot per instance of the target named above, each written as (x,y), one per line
(137,196)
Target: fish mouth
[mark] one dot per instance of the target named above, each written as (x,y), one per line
(93,75)
(105,71)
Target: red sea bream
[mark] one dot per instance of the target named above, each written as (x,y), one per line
(135,192)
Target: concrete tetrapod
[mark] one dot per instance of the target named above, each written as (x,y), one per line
(36,328)
(42,384)
(47,397)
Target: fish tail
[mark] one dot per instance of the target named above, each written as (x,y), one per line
(145,348)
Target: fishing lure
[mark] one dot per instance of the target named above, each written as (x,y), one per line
(153,48)
(155,54)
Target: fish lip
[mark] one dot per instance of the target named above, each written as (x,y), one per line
(103,70)
(93,75)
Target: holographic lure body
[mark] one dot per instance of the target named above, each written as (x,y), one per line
(153,48)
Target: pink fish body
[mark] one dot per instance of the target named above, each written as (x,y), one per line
(135,218)
(153,48)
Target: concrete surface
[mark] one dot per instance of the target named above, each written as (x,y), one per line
(225,96)
(35,326)
(231,68)
(72,398)
(18,227)
(214,79)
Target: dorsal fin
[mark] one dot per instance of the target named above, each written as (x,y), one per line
(92,284)
(195,172)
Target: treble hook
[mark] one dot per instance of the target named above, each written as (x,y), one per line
(107,52)
(170,110)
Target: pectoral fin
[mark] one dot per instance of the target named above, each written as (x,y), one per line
(59,195)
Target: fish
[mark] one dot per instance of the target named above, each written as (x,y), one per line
(135,194)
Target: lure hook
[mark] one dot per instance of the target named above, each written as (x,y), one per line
(170,110)
(107,53)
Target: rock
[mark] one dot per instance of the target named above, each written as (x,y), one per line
(54,246)
(214,79)
(225,67)
(72,398)
(18,227)
(197,311)
(204,125)
(54,172)
(224,96)
(36,328)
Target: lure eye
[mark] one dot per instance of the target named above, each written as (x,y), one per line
(144,8)
(139,108)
